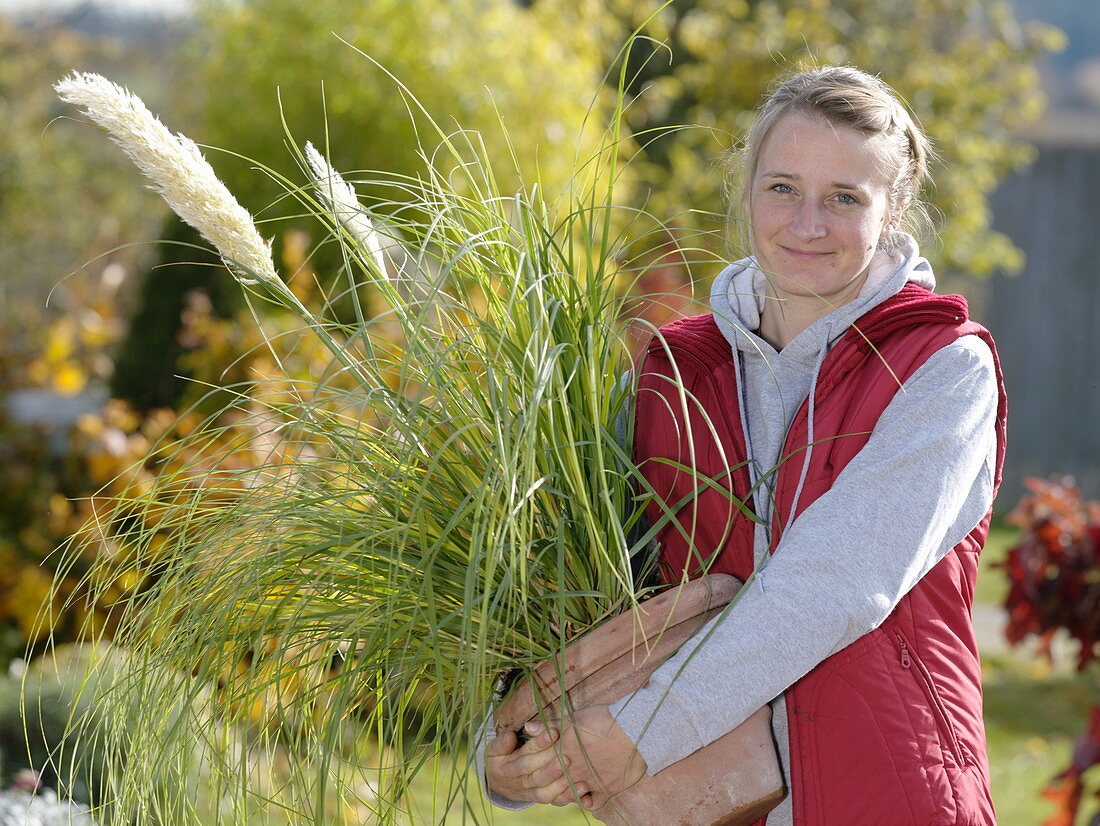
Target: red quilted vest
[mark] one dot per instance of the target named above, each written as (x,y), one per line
(888,730)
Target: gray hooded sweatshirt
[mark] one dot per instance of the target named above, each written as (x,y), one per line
(921,483)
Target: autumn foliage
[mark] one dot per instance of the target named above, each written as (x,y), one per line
(1054,576)
(57,483)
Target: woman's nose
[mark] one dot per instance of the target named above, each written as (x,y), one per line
(808,221)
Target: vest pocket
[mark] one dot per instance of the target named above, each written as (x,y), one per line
(911,663)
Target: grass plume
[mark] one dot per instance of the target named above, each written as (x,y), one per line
(178,170)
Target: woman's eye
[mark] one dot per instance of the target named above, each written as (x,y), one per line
(845,198)
(782,189)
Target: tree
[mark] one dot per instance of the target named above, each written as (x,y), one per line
(266,67)
(62,196)
(480,65)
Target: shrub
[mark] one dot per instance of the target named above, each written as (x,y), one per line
(36,729)
(1054,585)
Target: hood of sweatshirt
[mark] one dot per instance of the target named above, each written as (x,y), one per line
(737,299)
(781,380)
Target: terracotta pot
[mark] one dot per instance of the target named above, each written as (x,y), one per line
(734,780)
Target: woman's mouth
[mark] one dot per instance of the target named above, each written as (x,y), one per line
(807,254)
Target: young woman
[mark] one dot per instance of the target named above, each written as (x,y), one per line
(862,418)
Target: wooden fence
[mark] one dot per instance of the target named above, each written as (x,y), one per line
(1047,319)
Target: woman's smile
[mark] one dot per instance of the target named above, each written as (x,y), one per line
(797,253)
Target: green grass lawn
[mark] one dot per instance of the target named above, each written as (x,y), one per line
(1033,712)
(992,586)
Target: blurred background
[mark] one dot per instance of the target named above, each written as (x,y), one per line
(109,339)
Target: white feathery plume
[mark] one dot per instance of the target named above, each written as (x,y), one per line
(179,172)
(345,206)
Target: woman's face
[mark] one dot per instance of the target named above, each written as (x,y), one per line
(818,204)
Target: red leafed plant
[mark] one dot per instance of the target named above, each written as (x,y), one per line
(1054,583)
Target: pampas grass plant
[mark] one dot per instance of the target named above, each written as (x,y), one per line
(450,505)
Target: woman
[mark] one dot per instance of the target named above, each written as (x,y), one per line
(863,418)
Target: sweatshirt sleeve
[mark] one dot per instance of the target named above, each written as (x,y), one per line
(920,484)
(479,743)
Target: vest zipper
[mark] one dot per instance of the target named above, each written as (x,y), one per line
(906,661)
(939,713)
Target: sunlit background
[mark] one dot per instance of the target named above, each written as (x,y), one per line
(105,335)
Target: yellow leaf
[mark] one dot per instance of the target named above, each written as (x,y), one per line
(69,379)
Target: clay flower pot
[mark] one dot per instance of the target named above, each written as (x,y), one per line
(734,780)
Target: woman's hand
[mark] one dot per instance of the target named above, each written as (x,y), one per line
(598,755)
(533,772)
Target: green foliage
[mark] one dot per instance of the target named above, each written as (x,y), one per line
(489,66)
(60,212)
(56,209)
(464,60)
(965,66)
(967,77)
(146,364)
(36,728)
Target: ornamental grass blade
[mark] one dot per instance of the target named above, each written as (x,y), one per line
(327,619)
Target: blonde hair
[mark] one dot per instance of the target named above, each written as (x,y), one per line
(843,96)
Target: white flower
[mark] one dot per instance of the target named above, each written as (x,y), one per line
(179,172)
(345,206)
